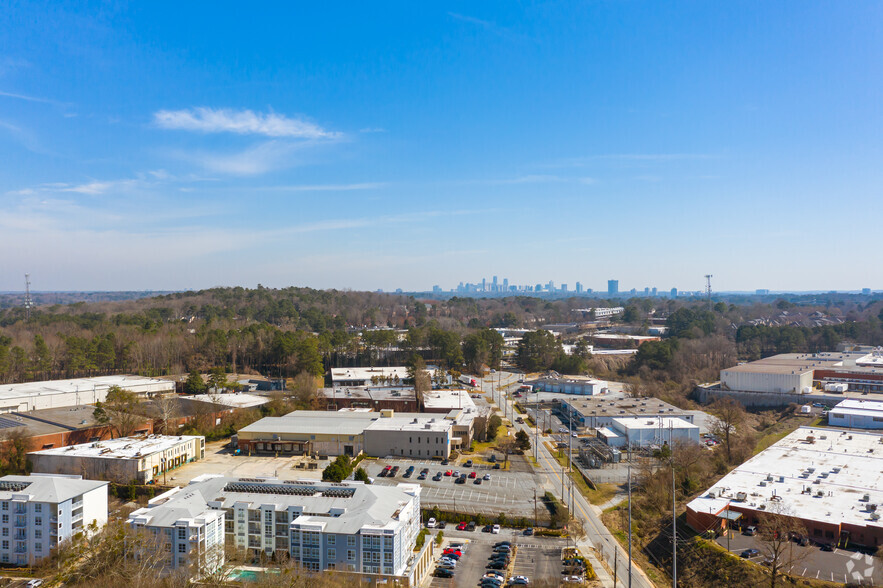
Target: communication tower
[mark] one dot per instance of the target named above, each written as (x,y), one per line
(28,301)
(708,289)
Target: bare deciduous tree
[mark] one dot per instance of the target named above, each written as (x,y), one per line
(729,416)
(776,528)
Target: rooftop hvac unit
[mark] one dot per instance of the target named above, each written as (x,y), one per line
(875,516)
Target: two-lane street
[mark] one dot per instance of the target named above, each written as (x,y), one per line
(554,478)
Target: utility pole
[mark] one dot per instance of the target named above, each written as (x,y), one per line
(570,458)
(674,517)
(535,520)
(615,564)
(630,524)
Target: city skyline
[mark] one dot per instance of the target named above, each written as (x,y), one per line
(400,148)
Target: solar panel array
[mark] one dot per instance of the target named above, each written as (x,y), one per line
(9,423)
(10,486)
(288,489)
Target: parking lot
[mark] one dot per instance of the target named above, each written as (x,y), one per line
(840,565)
(219,459)
(511,492)
(538,558)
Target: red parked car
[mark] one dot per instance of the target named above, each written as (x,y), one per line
(461,526)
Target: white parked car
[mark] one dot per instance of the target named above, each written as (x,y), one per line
(496,530)
(430,524)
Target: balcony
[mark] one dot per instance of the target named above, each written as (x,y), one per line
(20,509)
(21,522)
(77,517)
(21,535)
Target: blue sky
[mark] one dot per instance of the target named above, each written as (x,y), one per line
(184,145)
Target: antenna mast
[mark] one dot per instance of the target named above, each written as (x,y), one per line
(708,289)
(28,302)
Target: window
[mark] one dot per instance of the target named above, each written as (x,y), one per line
(331,539)
(38,507)
(387,558)
(38,521)
(5,544)
(5,506)
(182,533)
(351,554)
(331,555)
(38,534)
(182,548)
(351,541)
(5,531)
(38,546)
(5,518)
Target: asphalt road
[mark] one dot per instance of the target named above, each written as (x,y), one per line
(552,473)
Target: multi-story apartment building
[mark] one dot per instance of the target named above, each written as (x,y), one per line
(350,527)
(39,511)
(185,527)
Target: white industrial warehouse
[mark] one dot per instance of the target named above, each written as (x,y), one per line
(857,414)
(60,393)
(643,432)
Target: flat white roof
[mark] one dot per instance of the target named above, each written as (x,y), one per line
(838,467)
(237,400)
(448,399)
(48,387)
(652,422)
(121,448)
(358,373)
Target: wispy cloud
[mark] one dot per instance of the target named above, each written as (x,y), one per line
(630,157)
(8,64)
(29,98)
(241,122)
(487,25)
(472,19)
(327,187)
(530,179)
(372,130)
(258,159)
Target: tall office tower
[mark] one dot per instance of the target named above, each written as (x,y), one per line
(484,284)
(646,291)
(653,292)
(612,287)
(505,284)
(564,287)
(550,287)
(674,292)
(579,288)
(539,288)
(494,286)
